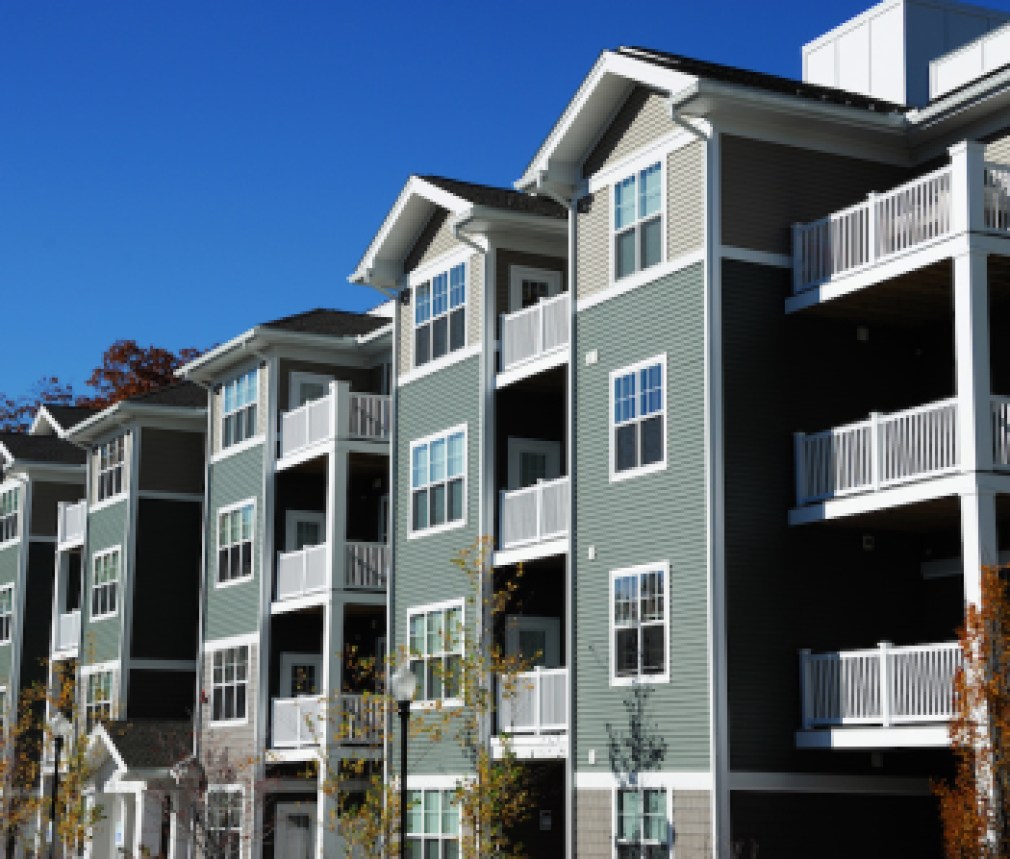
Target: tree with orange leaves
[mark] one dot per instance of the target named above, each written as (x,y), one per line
(128,369)
(975,806)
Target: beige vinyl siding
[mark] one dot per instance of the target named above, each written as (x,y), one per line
(405,324)
(999,149)
(593,260)
(106,528)
(45,498)
(435,239)
(767,187)
(643,117)
(685,200)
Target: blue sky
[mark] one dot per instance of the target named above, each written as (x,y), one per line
(175,172)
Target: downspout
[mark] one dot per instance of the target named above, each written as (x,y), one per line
(394,495)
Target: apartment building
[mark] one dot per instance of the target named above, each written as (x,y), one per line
(647,374)
(296,564)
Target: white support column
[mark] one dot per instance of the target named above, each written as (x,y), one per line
(971,341)
(967,159)
(979,546)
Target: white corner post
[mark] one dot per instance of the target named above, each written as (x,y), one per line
(967,162)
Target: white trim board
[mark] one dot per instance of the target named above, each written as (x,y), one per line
(670,779)
(640,278)
(440,364)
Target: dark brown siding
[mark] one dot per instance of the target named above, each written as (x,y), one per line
(362,380)
(767,187)
(172,461)
(45,497)
(161,695)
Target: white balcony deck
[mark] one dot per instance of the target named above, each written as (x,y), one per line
(910,217)
(533,335)
(536,515)
(368,566)
(879,697)
(533,712)
(303,573)
(70,522)
(68,632)
(302,722)
(340,414)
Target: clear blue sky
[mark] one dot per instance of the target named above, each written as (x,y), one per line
(175,172)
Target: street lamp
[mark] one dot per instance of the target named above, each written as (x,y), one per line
(61,730)
(404,684)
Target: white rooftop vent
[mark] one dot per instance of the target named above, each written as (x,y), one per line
(975,59)
(886,51)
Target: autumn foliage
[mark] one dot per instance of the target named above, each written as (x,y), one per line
(975,806)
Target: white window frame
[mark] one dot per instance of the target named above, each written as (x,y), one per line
(225,685)
(114,471)
(289,660)
(293,518)
(227,789)
(428,279)
(90,706)
(612,425)
(424,836)
(227,511)
(519,273)
(254,404)
(3,713)
(635,170)
(643,843)
(639,679)
(10,490)
(6,614)
(95,558)
(421,702)
(297,378)
(448,525)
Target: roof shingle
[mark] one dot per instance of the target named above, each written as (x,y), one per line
(41,448)
(334,323)
(151,743)
(506,199)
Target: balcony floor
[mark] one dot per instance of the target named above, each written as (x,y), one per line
(869,737)
(534,747)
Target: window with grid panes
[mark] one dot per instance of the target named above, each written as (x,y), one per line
(104,583)
(642,825)
(440,315)
(437,475)
(3,713)
(638,428)
(639,623)
(436,651)
(224,822)
(235,543)
(238,416)
(638,221)
(6,612)
(229,684)
(98,704)
(432,825)
(9,503)
(111,459)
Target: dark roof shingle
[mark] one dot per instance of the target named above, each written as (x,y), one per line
(151,743)
(68,416)
(178,394)
(506,199)
(334,323)
(41,448)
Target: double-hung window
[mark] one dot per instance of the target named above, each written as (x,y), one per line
(229,683)
(436,650)
(238,415)
(9,504)
(639,623)
(638,417)
(111,464)
(224,821)
(432,824)
(638,221)
(98,704)
(6,613)
(437,480)
(642,830)
(235,543)
(440,315)
(104,583)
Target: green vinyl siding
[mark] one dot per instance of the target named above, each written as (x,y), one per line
(234,609)
(9,559)
(424,570)
(106,528)
(658,517)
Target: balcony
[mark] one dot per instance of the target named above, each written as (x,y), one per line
(70,520)
(367,566)
(68,631)
(880,697)
(539,331)
(303,573)
(910,217)
(302,722)
(536,515)
(533,712)
(340,414)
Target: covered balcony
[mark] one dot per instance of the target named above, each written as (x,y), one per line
(368,566)
(303,572)
(882,697)
(535,517)
(68,633)
(70,522)
(533,712)
(534,338)
(303,722)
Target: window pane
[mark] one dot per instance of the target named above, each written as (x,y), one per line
(626,453)
(457,330)
(450,815)
(432,811)
(624,203)
(420,505)
(451,676)
(651,385)
(439,337)
(652,440)
(652,596)
(629,813)
(414,812)
(624,398)
(419,467)
(652,649)
(626,652)
(439,294)
(652,242)
(457,286)
(437,504)
(422,345)
(649,196)
(436,630)
(454,629)
(626,600)
(438,453)
(455,454)
(417,634)
(455,512)
(422,306)
(624,254)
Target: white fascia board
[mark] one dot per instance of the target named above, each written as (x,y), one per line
(89,427)
(114,417)
(193,369)
(482,220)
(7,455)
(50,471)
(100,735)
(43,415)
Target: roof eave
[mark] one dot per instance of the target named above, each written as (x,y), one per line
(120,413)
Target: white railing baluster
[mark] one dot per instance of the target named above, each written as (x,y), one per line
(533,702)
(534,331)
(533,514)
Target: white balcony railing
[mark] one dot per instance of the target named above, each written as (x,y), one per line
(911,215)
(882,451)
(534,331)
(302,721)
(70,521)
(68,630)
(885,685)
(534,702)
(367,566)
(340,412)
(1001,432)
(303,572)
(534,514)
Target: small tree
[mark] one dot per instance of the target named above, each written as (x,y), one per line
(17,413)
(128,369)
(975,806)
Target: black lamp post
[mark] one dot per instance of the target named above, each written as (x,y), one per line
(404,684)
(60,728)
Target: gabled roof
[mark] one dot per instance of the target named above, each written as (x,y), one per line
(506,199)
(58,418)
(146,744)
(182,399)
(184,394)
(335,323)
(39,449)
